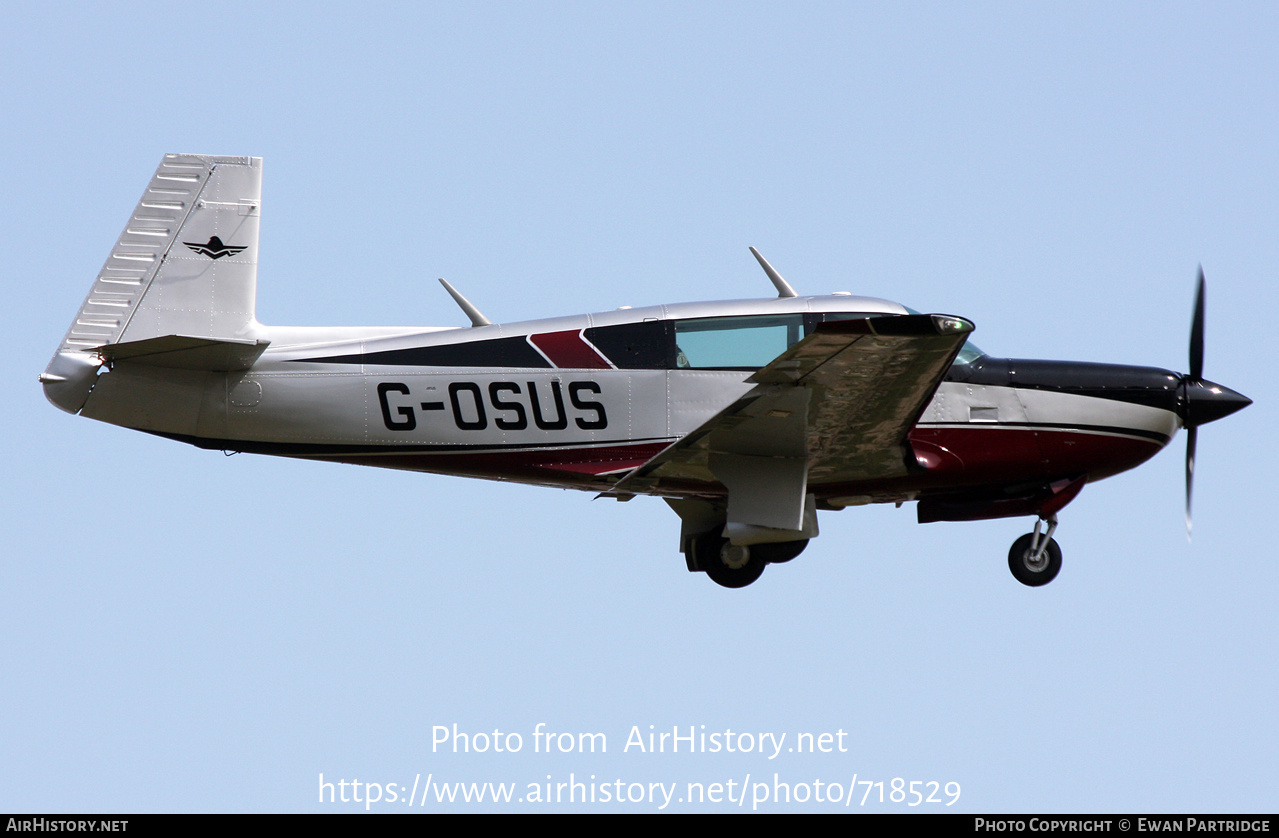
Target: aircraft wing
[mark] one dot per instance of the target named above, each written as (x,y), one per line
(835,407)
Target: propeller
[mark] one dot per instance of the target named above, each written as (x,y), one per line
(1201,401)
(1197,374)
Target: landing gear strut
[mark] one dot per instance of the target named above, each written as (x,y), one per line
(1035,558)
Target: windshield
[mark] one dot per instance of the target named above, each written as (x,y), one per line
(969,353)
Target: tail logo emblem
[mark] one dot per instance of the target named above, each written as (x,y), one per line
(213,248)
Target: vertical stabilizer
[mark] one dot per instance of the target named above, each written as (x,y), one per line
(186,264)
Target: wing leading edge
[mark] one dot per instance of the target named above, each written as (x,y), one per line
(835,407)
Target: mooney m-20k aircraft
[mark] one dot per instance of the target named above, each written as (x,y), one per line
(746,417)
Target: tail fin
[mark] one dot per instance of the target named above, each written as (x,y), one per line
(185,265)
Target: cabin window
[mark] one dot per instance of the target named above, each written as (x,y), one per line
(745,343)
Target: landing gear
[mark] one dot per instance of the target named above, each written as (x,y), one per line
(1035,558)
(703,527)
(728,564)
(780,551)
(738,565)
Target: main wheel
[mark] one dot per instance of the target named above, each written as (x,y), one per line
(727,564)
(781,551)
(1030,572)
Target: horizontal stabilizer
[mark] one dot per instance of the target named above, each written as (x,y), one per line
(186,353)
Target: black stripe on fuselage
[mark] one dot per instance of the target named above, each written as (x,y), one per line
(1148,386)
(499,352)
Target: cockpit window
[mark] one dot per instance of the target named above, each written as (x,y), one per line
(735,342)
(969,353)
(717,343)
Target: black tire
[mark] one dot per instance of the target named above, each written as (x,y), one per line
(1028,573)
(709,558)
(781,551)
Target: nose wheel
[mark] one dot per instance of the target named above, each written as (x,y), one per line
(1035,558)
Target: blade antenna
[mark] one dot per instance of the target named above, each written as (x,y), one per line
(782,286)
(472,312)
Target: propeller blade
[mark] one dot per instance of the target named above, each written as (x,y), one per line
(1191,438)
(1197,333)
(1196,376)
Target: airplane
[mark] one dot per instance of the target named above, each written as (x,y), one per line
(747,416)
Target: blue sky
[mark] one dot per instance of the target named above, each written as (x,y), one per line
(189,632)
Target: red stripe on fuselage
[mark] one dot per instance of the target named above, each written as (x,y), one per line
(569,350)
(1002,453)
(953,458)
